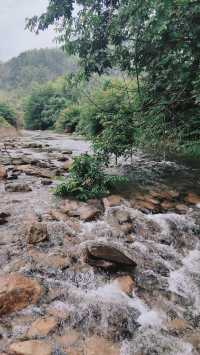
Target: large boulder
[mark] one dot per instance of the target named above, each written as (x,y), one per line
(17,292)
(110,252)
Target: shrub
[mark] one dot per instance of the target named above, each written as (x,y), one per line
(8,114)
(4,123)
(87,179)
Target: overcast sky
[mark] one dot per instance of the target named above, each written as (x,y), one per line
(13,38)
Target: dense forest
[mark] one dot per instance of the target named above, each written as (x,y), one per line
(34,67)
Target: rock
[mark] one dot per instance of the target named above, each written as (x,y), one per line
(108,252)
(112,201)
(145,205)
(71,207)
(3,172)
(42,327)
(3,217)
(194,339)
(67,151)
(68,339)
(17,292)
(34,171)
(46,182)
(192,198)
(68,164)
(88,213)
(31,347)
(49,260)
(166,205)
(33,145)
(57,215)
(17,187)
(181,208)
(59,310)
(125,284)
(37,233)
(98,345)
(177,325)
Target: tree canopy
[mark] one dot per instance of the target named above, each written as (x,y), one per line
(154,40)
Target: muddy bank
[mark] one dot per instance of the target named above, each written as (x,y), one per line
(117,276)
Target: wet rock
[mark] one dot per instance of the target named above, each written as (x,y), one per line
(192,198)
(108,252)
(4,217)
(3,172)
(98,345)
(71,207)
(42,327)
(33,145)
(57,215)
(67,151)
(88,213)
(37,233)
(46,182)
(166,205)
(34,171)
(49,260)
(112,201)
(145,206)
(59,310)
(181,208)
(30,347)
(119,218)
(194,339)
(68,340)
(125,284)
(177,325)
(17,187)
(17,292)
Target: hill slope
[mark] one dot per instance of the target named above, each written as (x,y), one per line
(35,66)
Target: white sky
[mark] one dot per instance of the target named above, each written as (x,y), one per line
(13,38)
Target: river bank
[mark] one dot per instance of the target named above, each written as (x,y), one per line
(117,276)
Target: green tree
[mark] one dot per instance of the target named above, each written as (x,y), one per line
(157,41)
(8,114)
(42,107)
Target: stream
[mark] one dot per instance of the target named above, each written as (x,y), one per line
(119,276)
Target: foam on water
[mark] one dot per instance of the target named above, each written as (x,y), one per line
(182,282)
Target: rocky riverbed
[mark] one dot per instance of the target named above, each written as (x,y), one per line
(116,276)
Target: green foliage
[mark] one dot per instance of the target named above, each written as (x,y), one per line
(108,117)
(4,123)
(42,107)
(68,119)
(156,41)
(8,114)
(87,179)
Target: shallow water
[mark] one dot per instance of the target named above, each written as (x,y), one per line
(166,247)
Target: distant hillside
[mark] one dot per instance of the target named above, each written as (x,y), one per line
(35,66)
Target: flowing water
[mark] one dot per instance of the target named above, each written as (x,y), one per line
(161,316)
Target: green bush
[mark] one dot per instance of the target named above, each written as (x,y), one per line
(88,180)
(8,114)
(68,118)
(43,107)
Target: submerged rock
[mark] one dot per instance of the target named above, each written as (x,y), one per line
(37,233)
(99,345)
(3,217)
(17,292)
